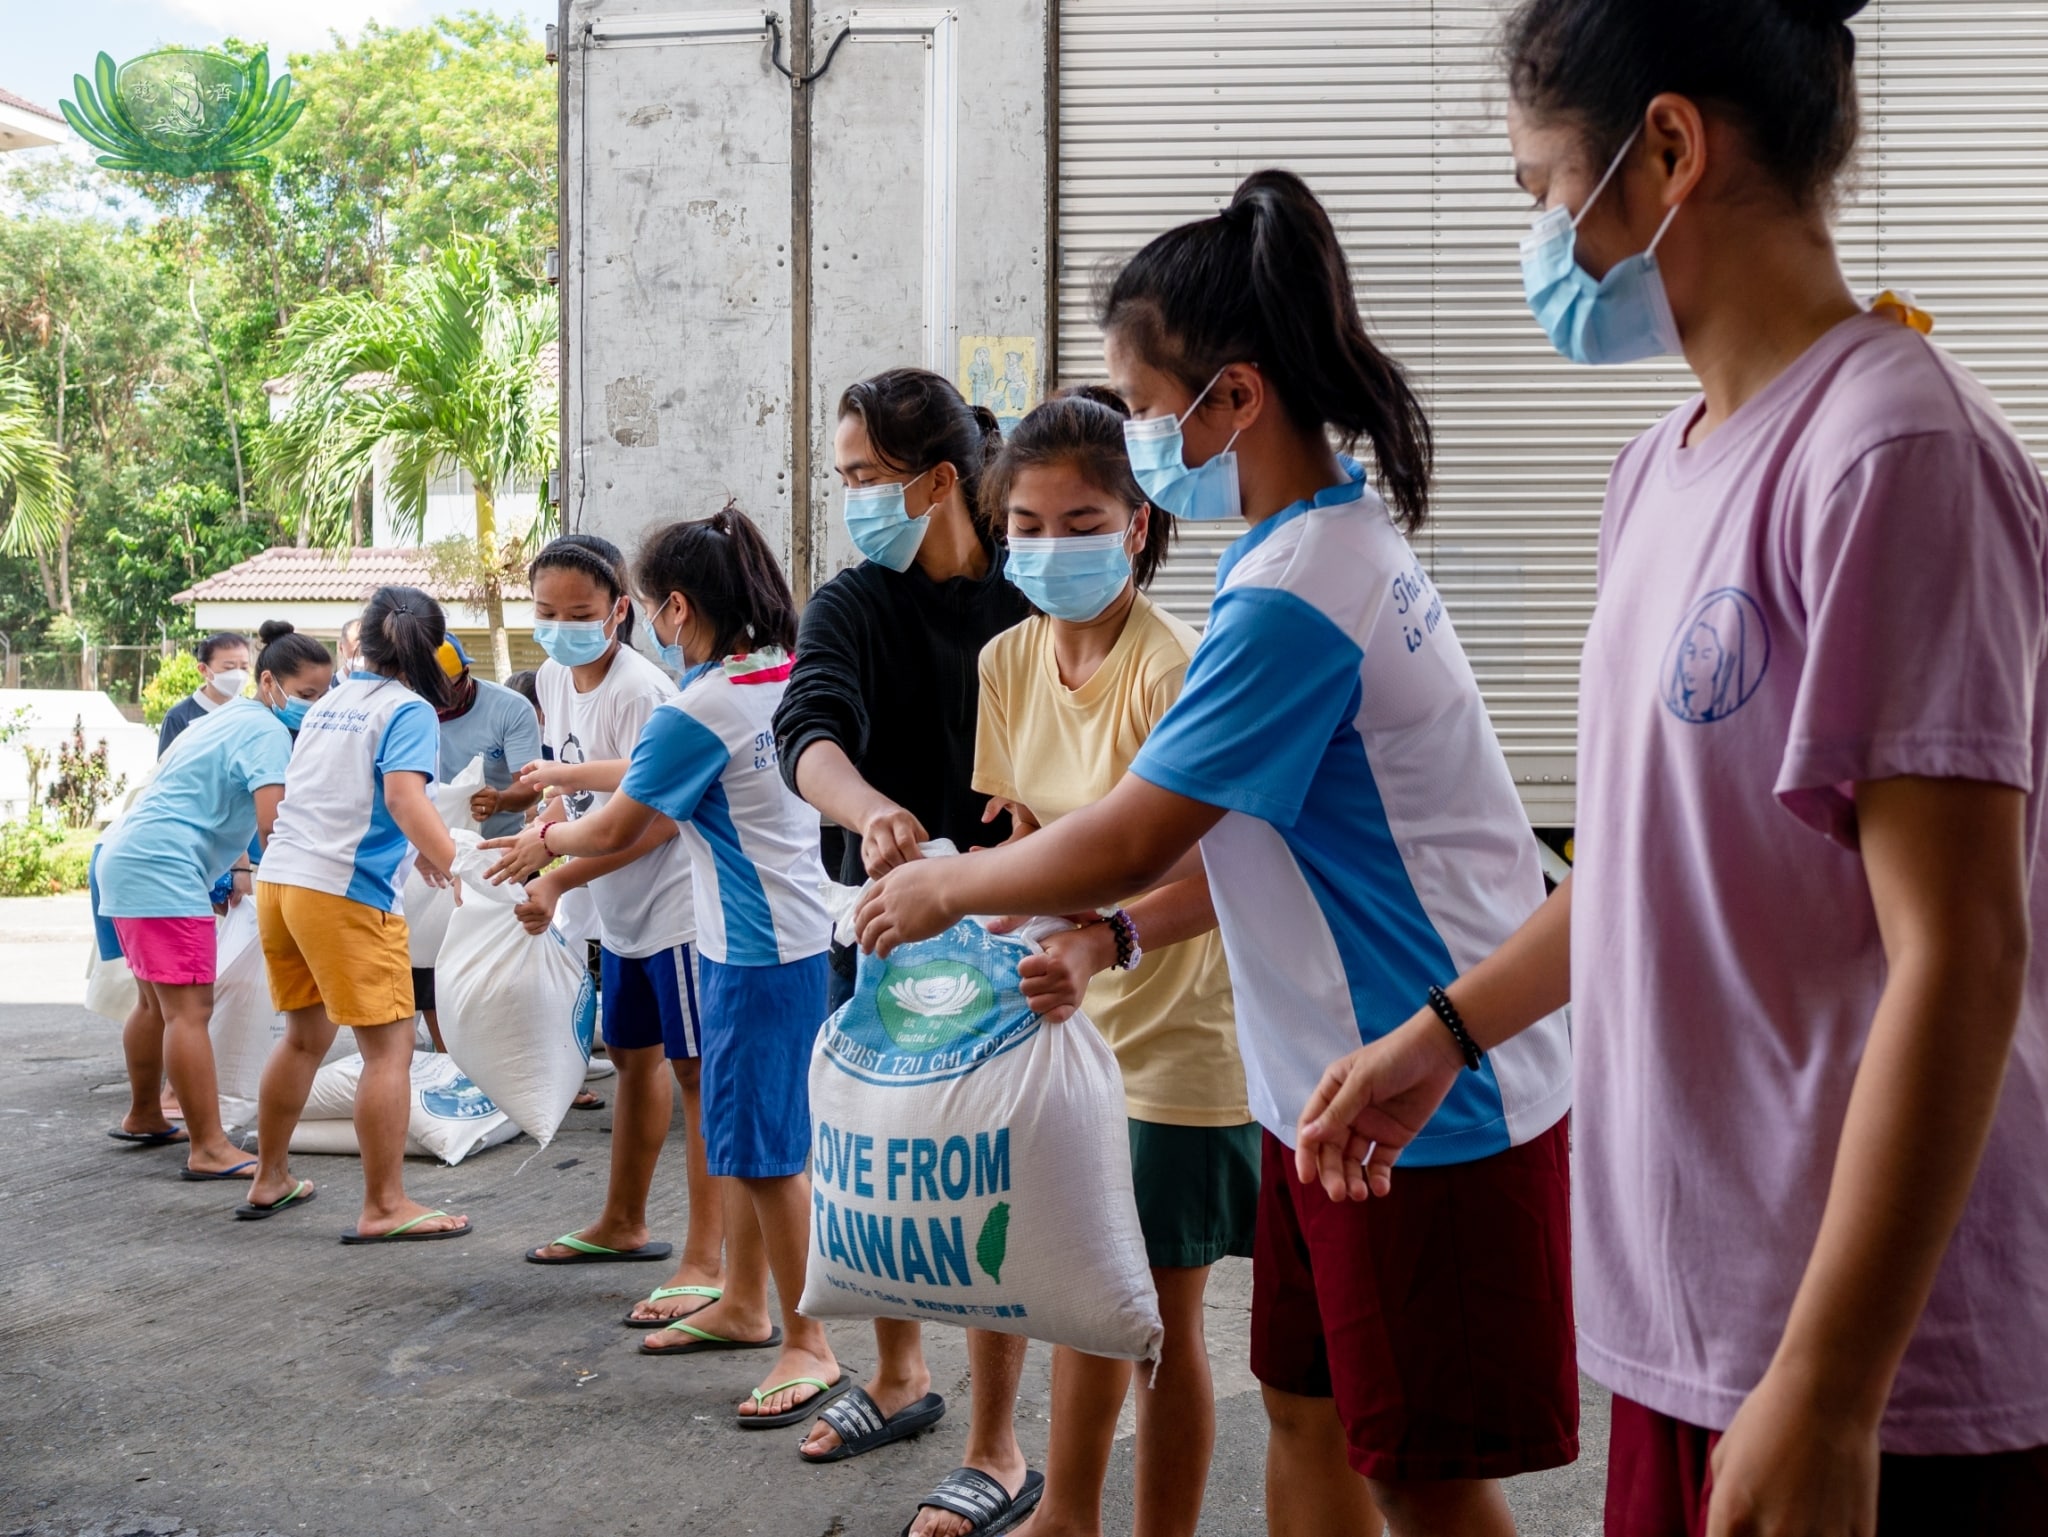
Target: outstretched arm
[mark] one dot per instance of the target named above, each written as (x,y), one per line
(613,828)
(1127,841)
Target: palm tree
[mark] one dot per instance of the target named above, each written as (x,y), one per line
(31,470)
(449,368)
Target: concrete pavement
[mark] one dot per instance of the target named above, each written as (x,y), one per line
(168,1372)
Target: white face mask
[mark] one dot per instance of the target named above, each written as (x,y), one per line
(230,681)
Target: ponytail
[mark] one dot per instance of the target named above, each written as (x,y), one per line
(917,419)
(1265,282)
(725,568)
(599,559)
(402,631)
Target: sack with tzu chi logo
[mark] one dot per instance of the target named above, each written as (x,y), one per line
(970,1164)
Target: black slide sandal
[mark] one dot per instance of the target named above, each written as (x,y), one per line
(861,1426)
(973,1496)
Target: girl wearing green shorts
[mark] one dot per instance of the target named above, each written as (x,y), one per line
(1067,699)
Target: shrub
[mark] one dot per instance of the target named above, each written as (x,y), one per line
(34,861)
(179,678)
(84,781)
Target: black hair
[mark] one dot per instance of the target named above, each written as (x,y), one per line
(1783,70)
(1081,428)
(218,641)
(599,559)
(286,653)
(726,570)
(917,419)
(1265,282)
(402,630)
(527,686)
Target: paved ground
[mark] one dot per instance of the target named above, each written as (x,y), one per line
(164,1370)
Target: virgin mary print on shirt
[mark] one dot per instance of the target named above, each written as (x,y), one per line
(1717,658)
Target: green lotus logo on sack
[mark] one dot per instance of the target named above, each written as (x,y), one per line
(971,1164)
(183,112)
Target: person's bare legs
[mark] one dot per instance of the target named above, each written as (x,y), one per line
(702,1262)
(1087,1395)
(287,1080)
(996,1362)
(644,1100)
(383,1114)
(142,1044)
(188,1058)
(1176,1426)
(899,1380)
(783,1208)
(433,1018)
(1311,1490)
(1454,1507)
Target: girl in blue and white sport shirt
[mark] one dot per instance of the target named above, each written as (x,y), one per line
(1331,755)
(722,614)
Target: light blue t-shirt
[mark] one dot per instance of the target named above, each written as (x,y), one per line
(196,817)
(501,728)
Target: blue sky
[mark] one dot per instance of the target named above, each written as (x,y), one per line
(49,41)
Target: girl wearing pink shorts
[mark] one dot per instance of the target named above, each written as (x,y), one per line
(215,795)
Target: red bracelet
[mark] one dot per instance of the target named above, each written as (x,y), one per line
(544,841)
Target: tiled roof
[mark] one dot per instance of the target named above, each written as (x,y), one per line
(289,575)
(9,99)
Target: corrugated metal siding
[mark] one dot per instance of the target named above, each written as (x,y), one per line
(1393,114)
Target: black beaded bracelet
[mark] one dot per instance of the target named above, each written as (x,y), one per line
(1440,1001)
(1124,929)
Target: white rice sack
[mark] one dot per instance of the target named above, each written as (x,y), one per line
(516,1009)
(244,1027)
(110,990)
(971,1164)
(449,1117)
(427,907)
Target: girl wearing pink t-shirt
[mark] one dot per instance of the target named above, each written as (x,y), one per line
(1810,1222)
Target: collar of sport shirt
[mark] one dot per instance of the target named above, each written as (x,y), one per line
(771,664)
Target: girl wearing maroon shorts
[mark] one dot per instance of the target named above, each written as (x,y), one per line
(1330,754)
(1812,1075)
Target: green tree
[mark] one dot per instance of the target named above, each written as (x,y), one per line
(454,368)
(35,493)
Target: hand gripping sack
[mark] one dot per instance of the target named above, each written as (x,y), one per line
(516,1009)
(971,1164)
(427,907)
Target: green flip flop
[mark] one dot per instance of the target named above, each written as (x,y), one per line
(404,1233)
(827,1391)
(703,1342)
(662,1294)
(588,1253)
(301,1195)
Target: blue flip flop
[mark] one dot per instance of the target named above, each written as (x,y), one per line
(150,1138)
(201,1176)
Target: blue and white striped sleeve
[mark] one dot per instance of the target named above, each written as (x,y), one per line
(675,762)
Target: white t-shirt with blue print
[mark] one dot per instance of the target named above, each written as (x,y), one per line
(706,759)
(1373,843)
(334,832)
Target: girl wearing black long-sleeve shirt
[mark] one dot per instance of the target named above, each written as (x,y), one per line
(877,731)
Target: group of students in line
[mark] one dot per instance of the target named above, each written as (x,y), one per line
(1807,1045)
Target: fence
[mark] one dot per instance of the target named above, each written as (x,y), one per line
(122,672)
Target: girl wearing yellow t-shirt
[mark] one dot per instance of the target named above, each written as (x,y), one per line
(1067,698)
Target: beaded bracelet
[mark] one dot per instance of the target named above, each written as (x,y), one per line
(1440,1001)
(1124,928)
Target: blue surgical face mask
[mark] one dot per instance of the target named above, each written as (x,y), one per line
(1207,493)
(881,528)
(292,711)
(1621,318)
(1074,578)
(671,653)
(572,642)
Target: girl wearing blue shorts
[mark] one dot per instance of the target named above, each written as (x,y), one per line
(724,619)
